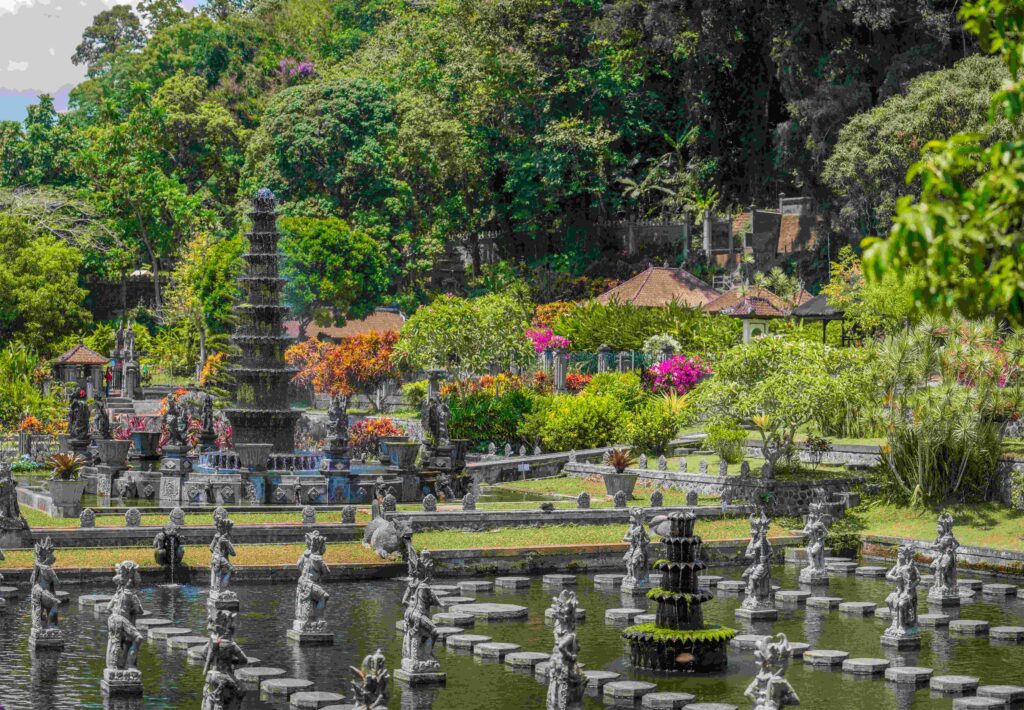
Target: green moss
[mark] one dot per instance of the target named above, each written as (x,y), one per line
(709,634)
(658,593)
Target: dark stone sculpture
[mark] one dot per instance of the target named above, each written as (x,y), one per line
(45,603)
(222,691)
(101,421)
(14,530)
(637,557)
(370,686)
(173,423)
(122,675)
(566,681)
(420,632)
(207,431)
(168,549)
(815,571)
(78,418)
(311,597)
(770,690)
(221,569)
(945,590)
(903,631)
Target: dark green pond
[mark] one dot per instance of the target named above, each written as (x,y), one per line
(363,616)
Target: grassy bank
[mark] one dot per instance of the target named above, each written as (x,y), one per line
(980,525)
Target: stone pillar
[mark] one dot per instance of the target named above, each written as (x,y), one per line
(708,225)
(561,367)
(603,354)
(131,388)
(666,353)
(434,378)
(624,361)
(547,361)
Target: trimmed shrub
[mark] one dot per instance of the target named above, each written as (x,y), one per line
(415,393)
(652,427)
(565,422)
(726,441)
(626,387)
(484,416)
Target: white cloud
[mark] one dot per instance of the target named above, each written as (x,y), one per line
(16,66)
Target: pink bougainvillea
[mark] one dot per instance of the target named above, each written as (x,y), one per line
(678,374)
(544,338)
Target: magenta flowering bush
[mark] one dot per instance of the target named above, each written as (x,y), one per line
(544,338)
(289,68)
(678,374)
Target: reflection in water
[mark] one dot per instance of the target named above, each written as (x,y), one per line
(45,667)
(417,697)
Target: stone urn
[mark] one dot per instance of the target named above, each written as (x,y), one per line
(254,457)
(66,493)
(146,443)
(114,452)
(382,446)
(615,481)
(403,453)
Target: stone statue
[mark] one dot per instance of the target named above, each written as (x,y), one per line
(10,511)
(123,638)
(902,601)
(637,557)
(101,422)
(78,417)
(173,423)
(310,595)
(583,500)
(390,539)
(370,685)
(129,343)
(207,413)
(337,419)
(759,574)
(420,633)
(222,690)
(429,503)
(168,549)
(444,414)
(770,690)
(436,415)
(944,589)
(492,450)
(566,681)
(45,603)
(119,340)
(815,571)
(221,569)
(443,484)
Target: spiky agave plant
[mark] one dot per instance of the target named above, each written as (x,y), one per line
(620,459)
(66,466)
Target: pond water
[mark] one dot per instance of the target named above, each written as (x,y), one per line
(363,614)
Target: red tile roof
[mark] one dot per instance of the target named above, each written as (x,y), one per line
(797,233)
(81,355)
(749,302)
(659,286)
(379,320)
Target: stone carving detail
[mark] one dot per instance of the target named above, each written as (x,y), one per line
(308,515)
(429,503)
(572,456)
(815,571)
(583,500)
(222,691)
(123,638)
(45,603)
(508,451)
(566,681)
(692,498)
(536,450)
(132,518)
(168,549)
(620,499)
(469,502)
(682,464)
(420,632)
(87,519)
(642,461)
(702,467)
(657,499)
(249,492)
(723,467)
(637,557)
(944,587)
(770,690)
(221,568)
(389,538)
(492,449)
(177,516)
(390,503)
(522,449)
(662,463)
(348,515)
(745,469)
(759,574)
(310,595)
(902,601)
(370,687)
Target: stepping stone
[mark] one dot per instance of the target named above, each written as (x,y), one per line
(974,585)
(257,674)
(526,660)
(799,648)
(163,633)
(198,652)
(841,567)
(492,612)
(597,680)
(447,602)
(512,582)
(954,684)
(1007,633)
(666,701)
(932,619)
(444,632)
(182,642)
(792,596)
(883,613)
(835,560)
(857,608)
(540,671)
(709,706)
(974,702)
(824,602)
(284,687)
(9,593)
(471,586)
(824,658)
(581,614)
(870,571)
(732,586)
(314,700)
(623,615)
(908,674)
(999,590)
(971,627)
(450,588)
(152,622)
(608,580)
(645,619)
(746,642)
(559,580)
(495,649)
(865,666)
(710,580)
(927,579)
(65,597)
(1006,693)
(631,690)
(454,618)
(465,641)
(93,600)
(443,593)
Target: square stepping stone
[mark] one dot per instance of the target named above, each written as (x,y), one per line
(152,622)
(559,580)
(841,567)
(93,600)
(11,593)
(857,608)
(825,658)
(999,590)
(454,618)
(623,615)
(496,650)
(865,666)
(968,627)
(972,703)
(883,613)
(824,602)
(597,680)
(792,596)
(608,580)
(447,602)
(1014,634)
(257,674)
(64,597)
(798,648)
(710,580)
(512,582)
(914,675)
(757,614)
(444,632)
(581,614)
(471,586)
(198,652)
(645,619)
(732,586)
(710,706)
(450,588)
(870,571)
(746,642)
(831,560)
(526,660)
(284,687)
(631,690)
(465,641)
(314,700)
(181,643)
(973,585)
(932,619)
(492,612)
(666,701)
(953,684)
(162,633)
(1006,693)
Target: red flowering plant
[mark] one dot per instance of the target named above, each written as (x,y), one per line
(678,374)
(30,425)
(358,363)
(576,381)
(365,434)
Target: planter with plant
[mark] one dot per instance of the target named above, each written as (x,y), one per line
(66,488)
(617,479)
(146,443)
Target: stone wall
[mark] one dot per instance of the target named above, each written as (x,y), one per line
(498,469)
(841,454)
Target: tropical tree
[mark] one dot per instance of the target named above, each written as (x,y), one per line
(359,363)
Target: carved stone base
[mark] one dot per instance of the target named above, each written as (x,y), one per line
(170,489)
(121,682)
(631,584)
(763,614)
(46,639)
(226,601)
(421,677)
(948,599)
(311,638)
(910,640)
(809,575)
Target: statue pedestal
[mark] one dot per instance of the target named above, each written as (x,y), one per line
(175,461)
(39,639)
(410,490)
(911,639)
(759,614)
(121,682)
(944,598)
(419,677)
(310,637)
(631,585)
(817,577)
(224,601)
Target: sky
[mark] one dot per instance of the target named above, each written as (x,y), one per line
(37,39)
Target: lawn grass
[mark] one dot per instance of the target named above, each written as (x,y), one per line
(595,487)
(981,525)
